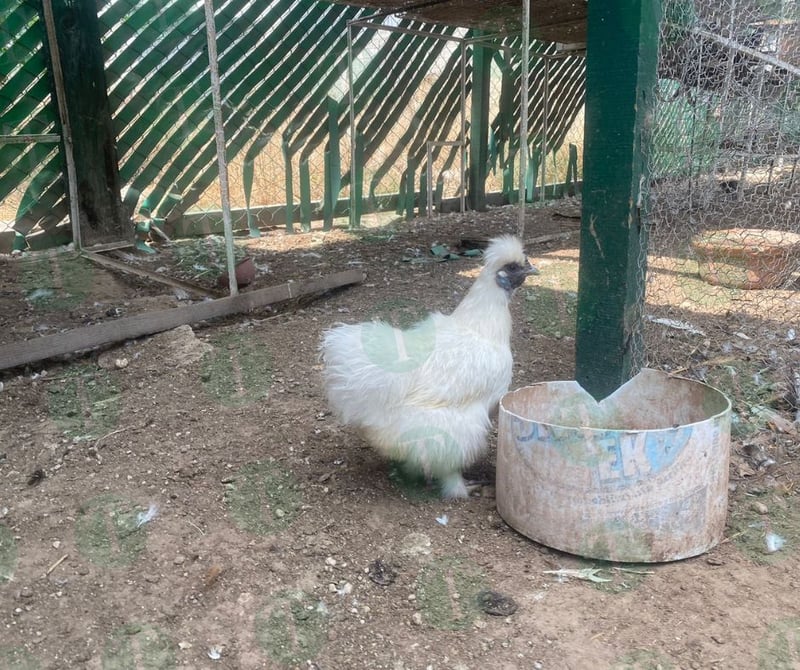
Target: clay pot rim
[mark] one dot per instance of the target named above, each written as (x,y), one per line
(723,243)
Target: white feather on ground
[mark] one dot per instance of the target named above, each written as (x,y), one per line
(423,396)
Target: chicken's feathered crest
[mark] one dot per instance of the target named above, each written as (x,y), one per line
(502,250)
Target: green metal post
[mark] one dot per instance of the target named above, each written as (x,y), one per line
(479,127)
(621,71)
(93,138)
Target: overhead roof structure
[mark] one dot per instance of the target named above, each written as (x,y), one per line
(551,20)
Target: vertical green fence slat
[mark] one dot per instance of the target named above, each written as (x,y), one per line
(410,195)
(289,186)
(571,178)
(248,177)
(305,195)
(333,165)
(357,181)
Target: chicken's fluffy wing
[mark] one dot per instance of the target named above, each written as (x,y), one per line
(462,369)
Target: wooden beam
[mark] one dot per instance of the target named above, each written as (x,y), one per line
(80,58)
(40,348)
(147,274)
(479,126)
(621,66)
(767,59)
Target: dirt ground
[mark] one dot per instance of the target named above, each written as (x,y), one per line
(187,501)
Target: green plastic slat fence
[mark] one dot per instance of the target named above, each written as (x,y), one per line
(281,62)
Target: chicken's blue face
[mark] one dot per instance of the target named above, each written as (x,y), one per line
(512,275)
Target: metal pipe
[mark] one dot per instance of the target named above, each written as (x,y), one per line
(732,44)
(407,8)
(219,133)
(30,138)
(523,119)
(352,113)
(463,138)
(429,171)
(66,130)
(400,29)
(545,112)
(429,179)
(724,101)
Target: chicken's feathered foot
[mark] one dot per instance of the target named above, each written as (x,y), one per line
(454,487)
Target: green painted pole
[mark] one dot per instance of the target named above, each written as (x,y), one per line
(621,72)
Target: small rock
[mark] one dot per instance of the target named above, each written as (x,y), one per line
(121,363)
(416,619)
(759,507)
(279,513)
(416,544)
(711,560)
(179,560)
(330,561)
(25,592)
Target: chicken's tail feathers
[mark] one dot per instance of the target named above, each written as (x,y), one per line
(362,369)
(325,338)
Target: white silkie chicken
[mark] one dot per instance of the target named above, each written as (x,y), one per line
(423,396)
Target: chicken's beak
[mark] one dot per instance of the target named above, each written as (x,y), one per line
(531,269)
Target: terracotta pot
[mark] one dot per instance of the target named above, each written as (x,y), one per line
(245,274)
(747,258)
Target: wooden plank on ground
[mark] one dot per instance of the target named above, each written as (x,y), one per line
(148,274)
(30,351)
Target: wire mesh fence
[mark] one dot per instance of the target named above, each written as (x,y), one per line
(725,187)
(409,105)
